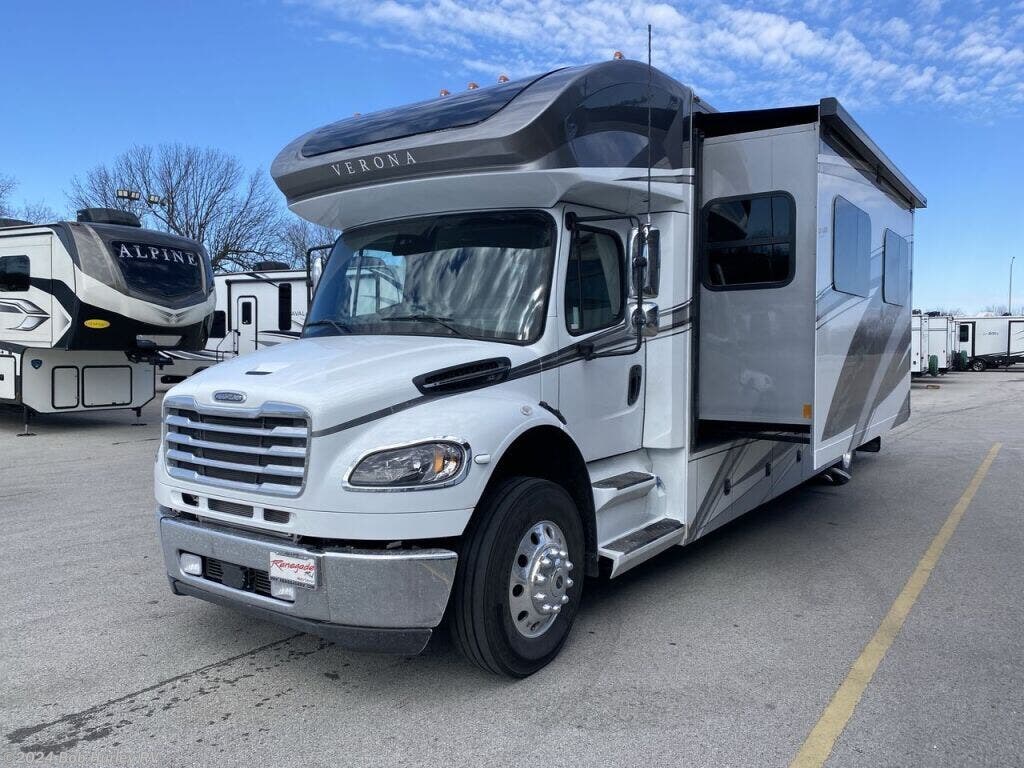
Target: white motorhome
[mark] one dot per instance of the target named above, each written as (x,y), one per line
(991,341)
(582,362)
(255,310)
(87,308)
(918,345)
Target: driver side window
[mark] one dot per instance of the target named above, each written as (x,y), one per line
(595,282)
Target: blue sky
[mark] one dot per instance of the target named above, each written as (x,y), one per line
(938,84)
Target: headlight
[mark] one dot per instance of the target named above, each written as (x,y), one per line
(411,466)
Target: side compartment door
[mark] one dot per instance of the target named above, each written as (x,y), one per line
(26,304)
(245,309)
(601,399)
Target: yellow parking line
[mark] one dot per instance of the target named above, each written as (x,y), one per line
(819,743)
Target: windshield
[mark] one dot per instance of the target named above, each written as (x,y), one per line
(479,275)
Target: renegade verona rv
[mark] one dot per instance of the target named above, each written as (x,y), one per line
(992,341)
(255,310)
(513,375)
(86,307)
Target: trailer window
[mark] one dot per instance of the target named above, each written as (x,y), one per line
(595,282)
(246,313)
(284,307)
(218,329)
(14,273)
(896,266)
(748,241)
(965,332)
(851,249)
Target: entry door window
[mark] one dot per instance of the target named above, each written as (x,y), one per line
(595,283)
(246,313)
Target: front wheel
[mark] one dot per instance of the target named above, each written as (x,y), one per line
(516,589)
(978,366)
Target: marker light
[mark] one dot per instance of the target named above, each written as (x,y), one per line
(472,87)
(282,590)
(411,466)
(445,92)
(502,78)
(618,56)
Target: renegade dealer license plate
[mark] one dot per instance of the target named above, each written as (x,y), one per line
(295,570)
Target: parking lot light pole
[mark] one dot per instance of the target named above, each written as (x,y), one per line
(1009,298)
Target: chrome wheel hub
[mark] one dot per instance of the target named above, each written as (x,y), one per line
(539,581)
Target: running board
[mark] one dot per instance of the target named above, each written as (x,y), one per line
(614,490)
(642,544)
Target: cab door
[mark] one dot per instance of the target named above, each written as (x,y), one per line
(600,398)
(26,308)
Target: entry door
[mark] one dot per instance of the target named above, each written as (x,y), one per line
(245,311)
(25,308)
(966,338)
(601,399)
(1016,338)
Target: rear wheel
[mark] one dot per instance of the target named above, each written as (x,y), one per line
(978,365)
(516,592)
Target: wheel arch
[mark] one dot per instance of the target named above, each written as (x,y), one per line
(547,452)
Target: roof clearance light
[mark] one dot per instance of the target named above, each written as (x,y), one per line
(618,56)
(502,78)
(472,87)
(445,92)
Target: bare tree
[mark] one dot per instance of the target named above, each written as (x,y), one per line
(996,309)
(298,236)
(35,212)
(952,312)
(203,194)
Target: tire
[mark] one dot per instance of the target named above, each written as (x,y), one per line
(497,541)
(978,365)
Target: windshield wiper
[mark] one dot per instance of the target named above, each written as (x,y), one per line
(445,322)
(327,321)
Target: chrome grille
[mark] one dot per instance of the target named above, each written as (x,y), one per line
(256,449)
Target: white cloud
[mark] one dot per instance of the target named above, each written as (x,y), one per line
(747,53)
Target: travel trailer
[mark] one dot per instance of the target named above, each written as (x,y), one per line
(991,341)
(88,307)
(255,310)
(938,341)
(918,346)
(604,321)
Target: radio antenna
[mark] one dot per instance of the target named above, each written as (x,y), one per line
(650,148)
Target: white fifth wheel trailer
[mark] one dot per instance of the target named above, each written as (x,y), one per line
(255,310)
(918,346)
(991,341)
(583,362)
(87,308)
(937,326)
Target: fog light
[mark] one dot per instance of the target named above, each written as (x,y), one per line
(282,590)
(191,564)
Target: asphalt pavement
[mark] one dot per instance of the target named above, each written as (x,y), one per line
(723,653)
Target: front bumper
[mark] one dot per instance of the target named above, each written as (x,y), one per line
(380,600)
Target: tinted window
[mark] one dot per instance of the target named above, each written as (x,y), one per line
(159,270)
(896,277)
(609,128)
(437,114)
(594,282)
(748,241)
(14,273)
(851,249)
(218,329)
(284,307)
(965,332)
(246,313)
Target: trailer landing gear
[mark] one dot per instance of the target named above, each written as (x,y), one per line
(138,418)
(26,432)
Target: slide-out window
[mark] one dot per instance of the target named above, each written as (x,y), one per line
(595,283)
(284,307)
(965,332)
(14,273)
(896,270)
(219,327)
(749,241)
(851,249)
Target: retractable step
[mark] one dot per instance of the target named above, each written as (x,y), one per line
(639,545)
(612,491)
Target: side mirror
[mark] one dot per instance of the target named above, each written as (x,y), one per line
(645,246)
(316,271)
(648,315)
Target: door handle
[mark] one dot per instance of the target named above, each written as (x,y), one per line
(633,385)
